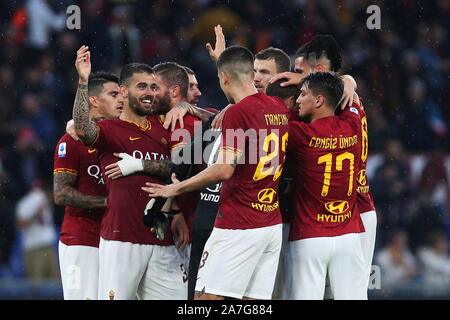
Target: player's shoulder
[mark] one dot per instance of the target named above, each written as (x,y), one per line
(67,139)
(107,123)
(213,110)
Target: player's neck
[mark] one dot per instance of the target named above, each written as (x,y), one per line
(322,112)
(242,91)
(95,116)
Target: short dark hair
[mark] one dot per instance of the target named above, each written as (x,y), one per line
(327,84)
(322,45)
(130,69)
(189,70)
(282,60)
(276,90)
(236,61)
(98,79)
(174,74)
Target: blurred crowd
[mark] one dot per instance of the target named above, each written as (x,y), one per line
(401,70)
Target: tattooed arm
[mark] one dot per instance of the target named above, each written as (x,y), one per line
(178,112)
(84,128)
(129,165)
(65,194)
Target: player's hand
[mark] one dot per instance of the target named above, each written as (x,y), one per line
(292,78)
(156,190)
(70,130)
(218,119)
(83,63)
(128,165)
(180,231)
(220,44)
(177,113)
(349,93)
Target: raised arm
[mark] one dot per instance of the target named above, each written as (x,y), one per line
(84,128)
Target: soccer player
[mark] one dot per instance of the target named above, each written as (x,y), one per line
(194,92)
(269,62)
(79,185)
(154,272)
(324,236)
(204,215)
(241,255)
(289,95)
(322,53)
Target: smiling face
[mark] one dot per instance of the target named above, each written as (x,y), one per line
(140,93)
(264,71)
(110,101)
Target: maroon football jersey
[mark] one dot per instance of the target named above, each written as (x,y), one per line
(364,197)
(123,219)
(256,129)
(326,154)
(80,226)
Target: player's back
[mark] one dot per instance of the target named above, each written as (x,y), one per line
(256,129)
(327,154)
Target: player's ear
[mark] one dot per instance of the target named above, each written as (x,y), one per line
(93,101)
(123,91)
(320,67)
(174,91)
(320,100)
(225,78)
(290,101)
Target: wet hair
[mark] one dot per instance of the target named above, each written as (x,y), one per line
(322,46)
(173,74)
(282,60)
(276,90)
(98,79)
(329,85)
(130,69)
(237,62)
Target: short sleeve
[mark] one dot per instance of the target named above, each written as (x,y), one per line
(67,156)
(233,132)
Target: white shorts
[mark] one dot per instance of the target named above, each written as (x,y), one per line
(79,271)
(147,272)
(240,263)
(309,261)
(279,290)
(369,220)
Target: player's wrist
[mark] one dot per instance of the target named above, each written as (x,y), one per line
(130,165)
(82,83)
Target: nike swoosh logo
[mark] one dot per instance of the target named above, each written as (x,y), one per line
(132,139)
(92,150)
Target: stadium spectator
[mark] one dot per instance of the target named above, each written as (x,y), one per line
(35,219)
(396,261)
(435,260)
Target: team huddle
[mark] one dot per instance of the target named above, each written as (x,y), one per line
(269,201)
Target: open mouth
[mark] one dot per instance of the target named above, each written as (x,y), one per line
(146,101)
(120,107)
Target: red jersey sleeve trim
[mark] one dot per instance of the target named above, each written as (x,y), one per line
(65,170)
